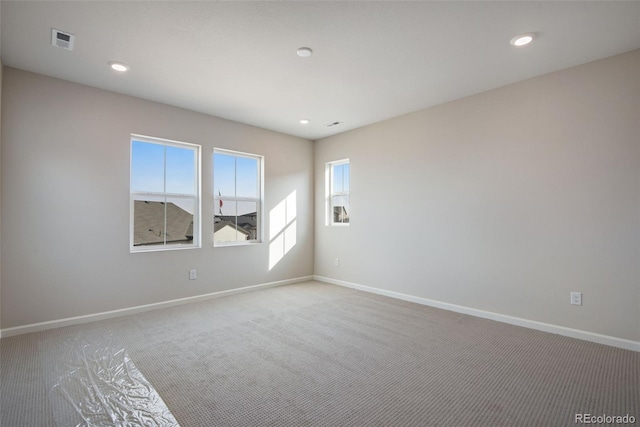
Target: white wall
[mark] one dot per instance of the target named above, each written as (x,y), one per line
(511,198)
(1,69)
(65,201)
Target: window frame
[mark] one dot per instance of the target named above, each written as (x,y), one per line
(330,193)
(259,200)
(142,195)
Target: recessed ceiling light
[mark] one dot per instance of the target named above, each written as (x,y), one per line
(523,39)
(304,52)
(118,66)
(304,121)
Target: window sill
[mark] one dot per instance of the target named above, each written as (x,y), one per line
(138,249)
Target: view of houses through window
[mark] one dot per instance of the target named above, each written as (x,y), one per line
(237,197)
(339,177)
(164,192)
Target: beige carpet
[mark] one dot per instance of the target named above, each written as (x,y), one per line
(320,355)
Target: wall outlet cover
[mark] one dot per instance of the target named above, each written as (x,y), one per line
(576,298)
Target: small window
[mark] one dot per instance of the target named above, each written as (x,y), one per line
(164,194)
(339,207)
(237,197)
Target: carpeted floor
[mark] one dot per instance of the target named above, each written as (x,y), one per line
(315,354)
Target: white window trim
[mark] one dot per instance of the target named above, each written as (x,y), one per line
(197,228)
(259,201)
(329,194)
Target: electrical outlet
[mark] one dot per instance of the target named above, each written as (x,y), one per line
(576,298)
(336,262)
(192,275)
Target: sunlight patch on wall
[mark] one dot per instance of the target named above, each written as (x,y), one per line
(282,229)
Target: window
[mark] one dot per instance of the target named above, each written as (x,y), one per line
(237,196)
(339,208)
(164,194)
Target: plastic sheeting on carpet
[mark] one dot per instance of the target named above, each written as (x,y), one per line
(93,382)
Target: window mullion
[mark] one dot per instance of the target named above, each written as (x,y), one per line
(338,169)
(164,239)
(232,171)
(236,220)
(164,190)
(184,208)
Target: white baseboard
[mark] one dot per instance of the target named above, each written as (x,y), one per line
(43,326)
(532,324)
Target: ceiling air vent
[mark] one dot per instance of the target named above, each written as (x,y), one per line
(330,125)
(62,39)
